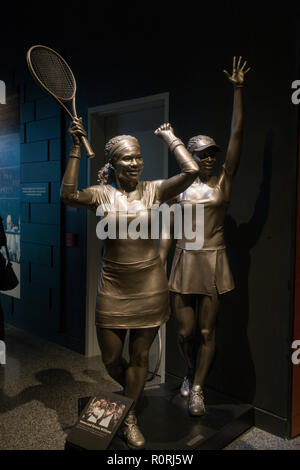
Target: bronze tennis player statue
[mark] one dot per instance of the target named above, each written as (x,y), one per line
(133,289)
(199,277)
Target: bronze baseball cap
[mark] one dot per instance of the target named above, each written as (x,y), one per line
(201,142)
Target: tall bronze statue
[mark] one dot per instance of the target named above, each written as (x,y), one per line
(133,288)
(199,277)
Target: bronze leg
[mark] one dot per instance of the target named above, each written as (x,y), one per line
(185,315)
(140,341)
(111,342)
(208,308)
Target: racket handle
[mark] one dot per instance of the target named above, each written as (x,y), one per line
(87,147)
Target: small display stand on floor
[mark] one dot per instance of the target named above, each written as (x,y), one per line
(166,424)
(99,419)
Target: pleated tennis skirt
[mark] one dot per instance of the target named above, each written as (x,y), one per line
(132,295)
(200,272)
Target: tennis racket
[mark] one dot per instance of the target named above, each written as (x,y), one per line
(54,75)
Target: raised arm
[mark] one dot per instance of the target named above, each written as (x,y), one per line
(171,187)
(235,142)
(69,193)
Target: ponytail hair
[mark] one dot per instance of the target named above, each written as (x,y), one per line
(106,174)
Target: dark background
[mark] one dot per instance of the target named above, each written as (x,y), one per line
(119,53)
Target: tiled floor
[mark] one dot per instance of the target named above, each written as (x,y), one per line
(39,389)
(40,386)
(256,439)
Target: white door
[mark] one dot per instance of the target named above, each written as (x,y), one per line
(138,118)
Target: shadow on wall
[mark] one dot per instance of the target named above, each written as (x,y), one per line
(233,370)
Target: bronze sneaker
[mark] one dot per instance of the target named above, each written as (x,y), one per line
(185,387)
(196,401)
(131,433)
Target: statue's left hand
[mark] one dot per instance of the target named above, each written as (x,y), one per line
(165,131)
(238,72)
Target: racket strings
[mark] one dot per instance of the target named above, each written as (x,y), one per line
(53,73)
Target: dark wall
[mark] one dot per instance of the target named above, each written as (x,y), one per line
(40,168)
(120,56)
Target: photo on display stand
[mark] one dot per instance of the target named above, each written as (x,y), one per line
(99,421)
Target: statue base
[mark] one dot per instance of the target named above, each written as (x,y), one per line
(166,424)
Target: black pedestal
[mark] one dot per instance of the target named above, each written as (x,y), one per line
(166,424)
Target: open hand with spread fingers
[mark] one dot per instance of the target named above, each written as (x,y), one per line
(237,77)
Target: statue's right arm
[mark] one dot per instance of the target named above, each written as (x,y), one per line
(69,193)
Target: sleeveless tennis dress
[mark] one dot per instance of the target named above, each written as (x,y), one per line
(201,271)
(130,295)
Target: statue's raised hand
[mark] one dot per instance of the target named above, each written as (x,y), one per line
(238,72)
(165,131)
(77,130)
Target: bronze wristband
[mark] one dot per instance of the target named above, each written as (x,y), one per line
(75,151)
(175,143)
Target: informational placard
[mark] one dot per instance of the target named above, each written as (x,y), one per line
(99,421)
(35,192)
(10,181)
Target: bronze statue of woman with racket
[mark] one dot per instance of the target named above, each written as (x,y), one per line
(198,278)
(133,288)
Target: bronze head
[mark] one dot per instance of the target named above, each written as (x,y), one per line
(125,161)
(203,149)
